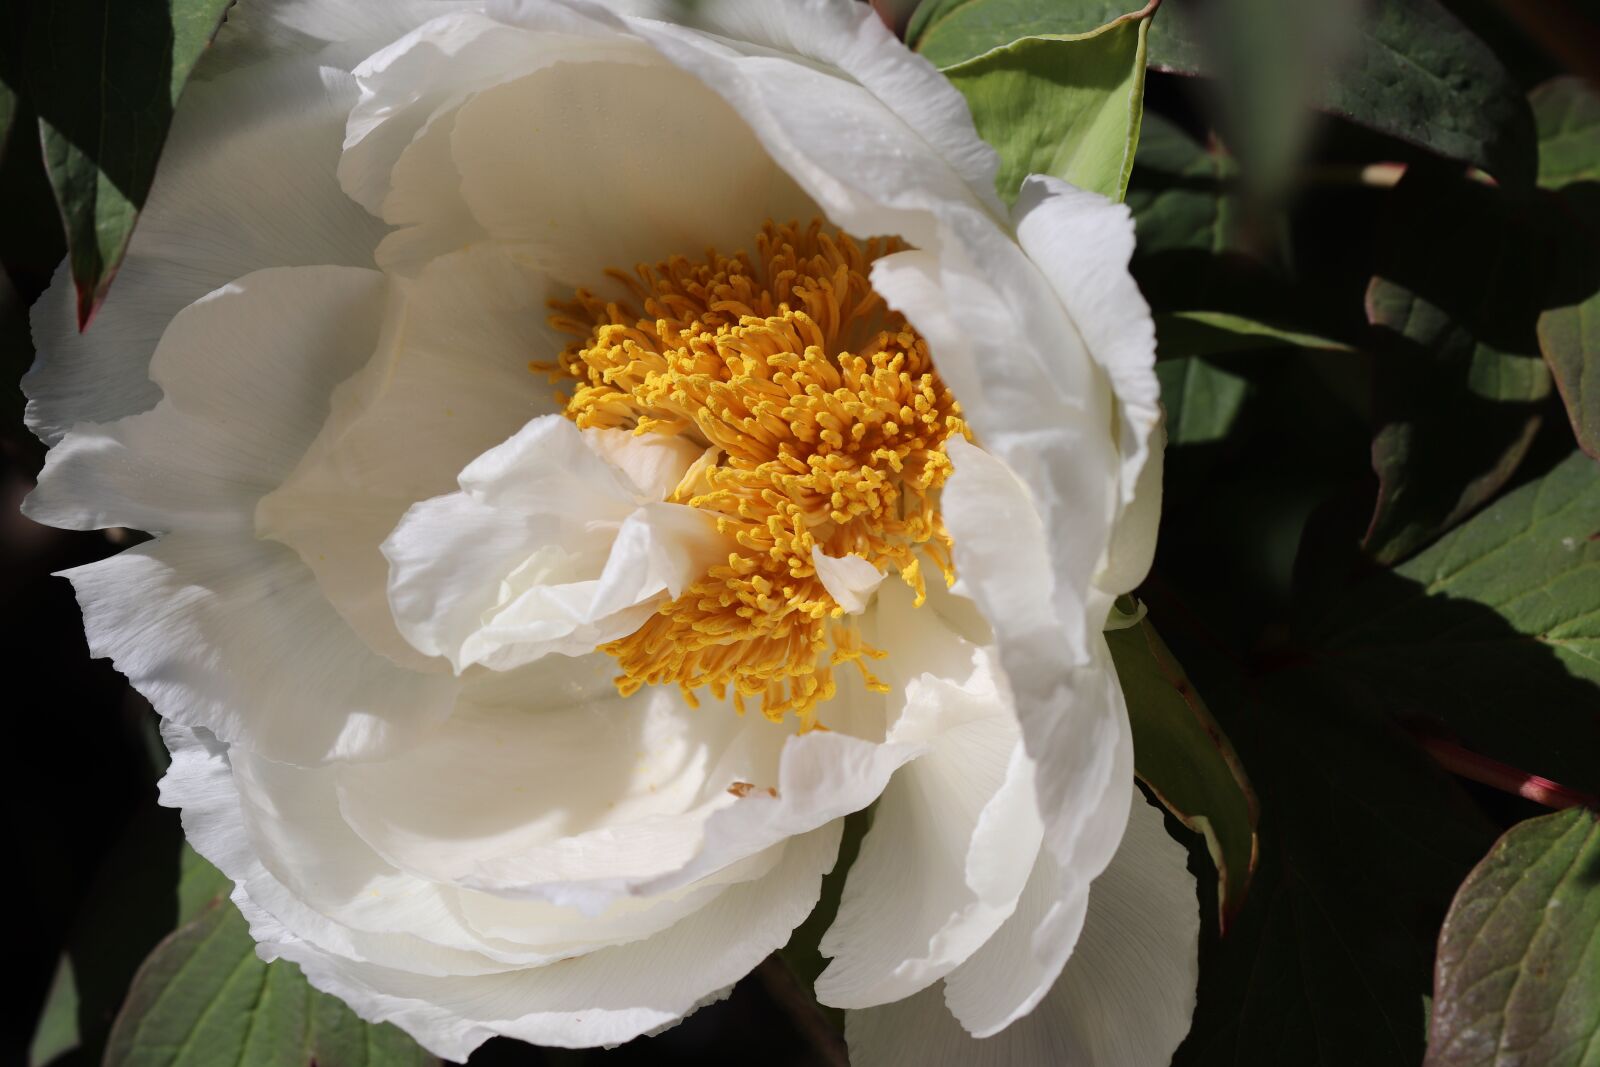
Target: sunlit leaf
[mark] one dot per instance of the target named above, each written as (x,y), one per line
(1065,105)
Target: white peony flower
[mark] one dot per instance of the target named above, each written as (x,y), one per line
(510,714)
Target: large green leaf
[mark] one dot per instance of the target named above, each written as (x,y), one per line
(204,998)
(1519,958)
(1492,633)
(1183,756)
(1415,72)
(1065,105)
(105,77)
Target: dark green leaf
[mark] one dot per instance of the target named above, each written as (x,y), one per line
(1362,842)
(1461,382)
(1519,958)
(1569,337)
(1183,756)
(1493,632)
(1569,330)
(1211,333)
(105,77)
(1065,105)
(951,31)
(1567,111)
(203,998)
(1415,72)
(146,886)
(801,954)
(8,114)
(1188,213)
(1202,401)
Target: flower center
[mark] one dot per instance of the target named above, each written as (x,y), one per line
(824,424)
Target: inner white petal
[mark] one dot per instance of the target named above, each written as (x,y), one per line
(547,548)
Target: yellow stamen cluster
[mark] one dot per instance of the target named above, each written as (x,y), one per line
(825,425)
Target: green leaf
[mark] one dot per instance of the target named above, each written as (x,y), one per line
(1493,632)
(1211,333)
(1519,958)
(1416,74)
(1065,105)
(1461,383)
(1566,111)
(1183,756)
(105,78)
(204,998)
(1202,401)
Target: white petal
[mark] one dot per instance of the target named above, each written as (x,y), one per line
(247,372)
(654,462)
(246,181)
(335,31)
(859,86)
(1074,722)
(602,998)
(430,71)
(1124,1000)
(231,634)
(672,168)
(546,549)
(277,831)
(1082,242)
(850,580)
(450,380)
(547,776)
(956,832)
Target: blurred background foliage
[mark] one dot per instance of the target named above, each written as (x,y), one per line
(1370,234)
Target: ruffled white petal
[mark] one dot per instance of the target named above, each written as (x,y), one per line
(246,181)
(601,998)
(1074,722)
(246,371)
(232,635)
(673,168)
(850,580)
(335,31)
(865,89)
(1123,1000)
(955,833)
(547,784)
(547,548)
(430,70)
(1056,223)
(450,380)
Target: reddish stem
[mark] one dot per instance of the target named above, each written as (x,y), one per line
(1502,776)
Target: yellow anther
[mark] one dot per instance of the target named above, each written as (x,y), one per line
(828,424)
